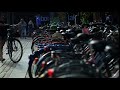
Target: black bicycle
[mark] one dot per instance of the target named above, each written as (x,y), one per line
(14,46)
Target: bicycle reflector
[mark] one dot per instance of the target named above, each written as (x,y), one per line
(43,64)
(50,73)
(36,60)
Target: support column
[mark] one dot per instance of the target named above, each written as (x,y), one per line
(12,17)
(8,18)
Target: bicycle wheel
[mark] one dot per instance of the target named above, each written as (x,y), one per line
(73,70)
(15,50)
(50,62)
(31,69)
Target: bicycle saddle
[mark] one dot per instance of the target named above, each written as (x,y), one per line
(75,68)
(96,35)
(114,51)
(56,51)
(78,31)
(8,29)
(75,40)
(97,45)
(80,37)
(68,35)
(83,37)
(96,29)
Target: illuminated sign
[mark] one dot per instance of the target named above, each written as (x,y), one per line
(44,18)
(38,21)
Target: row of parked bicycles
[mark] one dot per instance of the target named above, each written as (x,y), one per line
(76,55)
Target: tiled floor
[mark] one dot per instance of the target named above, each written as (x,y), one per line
(8,69)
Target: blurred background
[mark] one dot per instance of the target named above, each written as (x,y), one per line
(56,17)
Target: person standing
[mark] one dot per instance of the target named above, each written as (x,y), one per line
(85,29)
(30,28)
(22,27)
(3,37)
(108,19)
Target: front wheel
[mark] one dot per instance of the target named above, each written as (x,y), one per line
(15,50)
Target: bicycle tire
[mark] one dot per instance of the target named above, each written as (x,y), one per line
(33,69)
(30,63)
(10,50)
(45,57)
(75,75)
(48,57)
(80,71)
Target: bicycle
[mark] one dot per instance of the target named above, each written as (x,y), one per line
(13,45)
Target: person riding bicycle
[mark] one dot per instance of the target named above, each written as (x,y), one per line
(3,36)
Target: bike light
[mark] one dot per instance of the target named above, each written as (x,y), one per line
(36,60)
(50,72)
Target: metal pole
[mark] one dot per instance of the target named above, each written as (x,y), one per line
(8,18)
(12,17)
(68,19)
(75,20)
